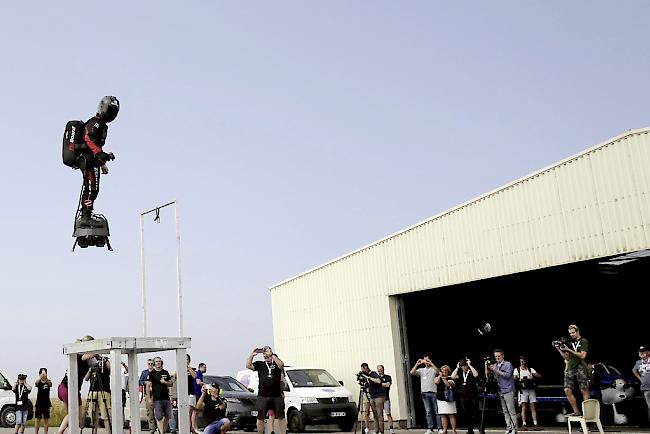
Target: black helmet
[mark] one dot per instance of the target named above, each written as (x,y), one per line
(108,108)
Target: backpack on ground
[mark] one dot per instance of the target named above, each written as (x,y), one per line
(73,141)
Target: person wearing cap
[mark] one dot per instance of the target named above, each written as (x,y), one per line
(21,390)
(641,371)
(214,410)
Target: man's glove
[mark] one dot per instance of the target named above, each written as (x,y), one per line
(106,156)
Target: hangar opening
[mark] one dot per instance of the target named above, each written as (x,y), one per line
(526,312)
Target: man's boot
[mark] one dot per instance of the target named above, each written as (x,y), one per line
(86,219)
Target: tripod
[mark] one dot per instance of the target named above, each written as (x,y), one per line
(97,395)
(489,381)
(363,391)
(492,385)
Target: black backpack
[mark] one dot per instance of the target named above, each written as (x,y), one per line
(73,141)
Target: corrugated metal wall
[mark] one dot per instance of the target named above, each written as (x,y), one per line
(592,205)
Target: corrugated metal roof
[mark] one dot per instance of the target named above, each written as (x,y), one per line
(592,204)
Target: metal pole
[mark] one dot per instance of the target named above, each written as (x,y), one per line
(144,297)
(178,270)
(178,265)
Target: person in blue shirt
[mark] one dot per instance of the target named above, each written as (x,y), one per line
(502,371)
(149,403)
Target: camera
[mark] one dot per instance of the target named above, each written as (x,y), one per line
(489,359)
(557,343)
(22,376)
(361,379)
(98,363)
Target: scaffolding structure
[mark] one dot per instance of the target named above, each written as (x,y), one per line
(131,346)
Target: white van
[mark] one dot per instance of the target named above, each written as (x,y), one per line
(311,397)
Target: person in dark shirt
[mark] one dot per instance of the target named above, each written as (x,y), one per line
(467,378)
(92,157)
(214,410)
(21,391)
(386,382)
(43,403)
(99,390)
(377,396)
(191,383)
(158,383)
(269,393)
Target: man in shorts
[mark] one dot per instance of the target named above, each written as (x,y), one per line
(575,371)
(525,378)
(158,383)
(43,403)
(386,382)
(269,393)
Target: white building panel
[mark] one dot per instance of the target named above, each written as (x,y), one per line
(591,205)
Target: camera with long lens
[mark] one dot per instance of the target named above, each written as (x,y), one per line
(557,343)
(361,379)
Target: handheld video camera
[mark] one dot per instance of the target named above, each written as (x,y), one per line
(489,359)
(557,343)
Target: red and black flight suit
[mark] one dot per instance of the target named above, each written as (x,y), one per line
(90,161)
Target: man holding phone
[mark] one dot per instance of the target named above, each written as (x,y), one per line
(269,392)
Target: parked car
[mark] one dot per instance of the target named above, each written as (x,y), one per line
(8,404)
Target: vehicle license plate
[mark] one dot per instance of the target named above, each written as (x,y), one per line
(253,412)
(337,413)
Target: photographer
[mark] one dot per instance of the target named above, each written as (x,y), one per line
(269,393)
(467,377)
(574,353)
(427,371)
(214,410)
(99,391)
(525,378)
(43,403)
(502,370)
(377,396)
(158,383)
(21,391)
(446,399)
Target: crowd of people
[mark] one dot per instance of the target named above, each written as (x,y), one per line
(445,391)
(155,385)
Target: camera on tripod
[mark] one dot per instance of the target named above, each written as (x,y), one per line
(98,364)
(557,343)
(361,379)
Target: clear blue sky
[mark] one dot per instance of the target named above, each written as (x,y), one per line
(291,132)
